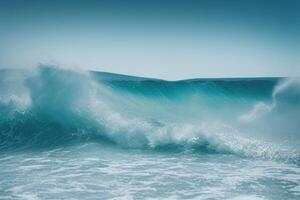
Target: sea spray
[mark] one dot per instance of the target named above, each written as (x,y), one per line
(64,106)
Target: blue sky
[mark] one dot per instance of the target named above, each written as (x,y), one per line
(163,39)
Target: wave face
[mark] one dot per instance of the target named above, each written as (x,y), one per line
(50,107)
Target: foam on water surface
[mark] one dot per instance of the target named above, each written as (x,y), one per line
(75,134)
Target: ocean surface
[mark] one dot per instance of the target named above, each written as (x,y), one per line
(67,134)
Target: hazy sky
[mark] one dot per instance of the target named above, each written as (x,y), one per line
(167,39)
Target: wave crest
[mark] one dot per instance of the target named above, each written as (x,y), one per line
(55,106)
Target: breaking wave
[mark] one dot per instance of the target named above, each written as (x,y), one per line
(51,106)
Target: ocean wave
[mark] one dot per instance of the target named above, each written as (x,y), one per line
(52,106)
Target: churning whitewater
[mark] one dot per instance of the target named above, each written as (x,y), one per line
(129,137)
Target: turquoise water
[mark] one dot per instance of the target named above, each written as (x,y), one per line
(88,135)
